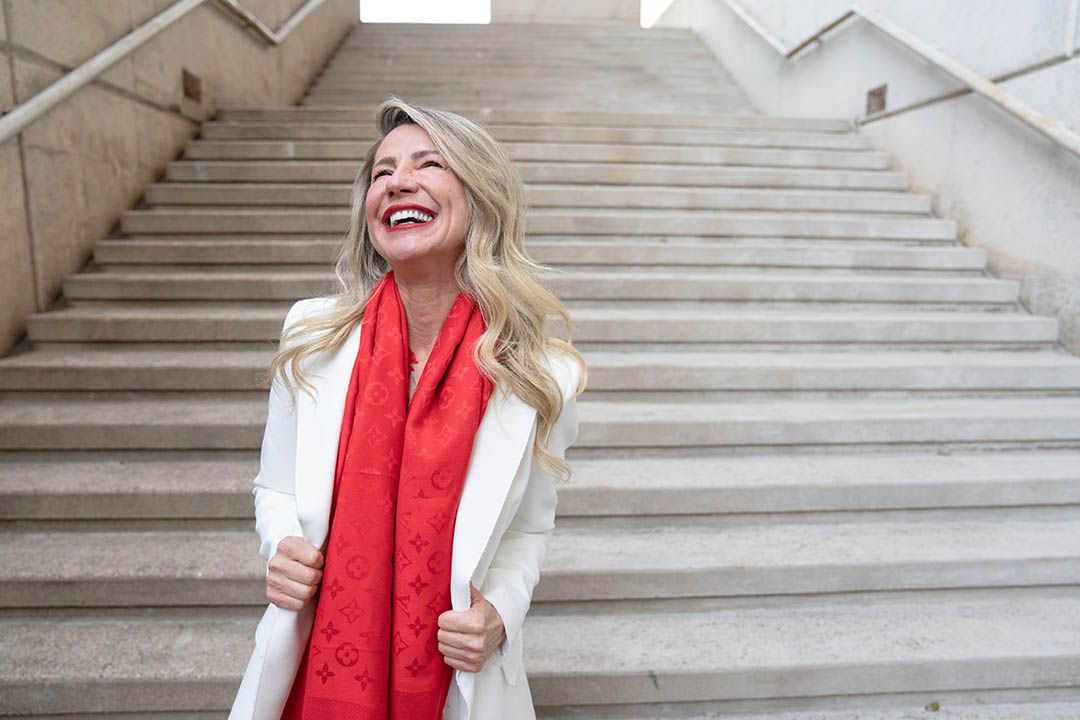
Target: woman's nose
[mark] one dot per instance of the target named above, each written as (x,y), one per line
(400,181)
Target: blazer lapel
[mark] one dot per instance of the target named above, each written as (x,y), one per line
(318,430)
(497,450)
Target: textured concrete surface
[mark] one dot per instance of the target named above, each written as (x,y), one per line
(107,569)
(826,461)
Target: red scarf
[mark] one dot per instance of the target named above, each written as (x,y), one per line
(373,650)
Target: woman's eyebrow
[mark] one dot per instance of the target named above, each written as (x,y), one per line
(415,156)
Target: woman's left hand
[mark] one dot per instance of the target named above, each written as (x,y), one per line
(467,639)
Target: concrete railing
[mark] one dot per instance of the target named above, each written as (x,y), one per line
(12,123)
(1040,122)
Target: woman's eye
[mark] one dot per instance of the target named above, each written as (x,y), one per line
(379,174)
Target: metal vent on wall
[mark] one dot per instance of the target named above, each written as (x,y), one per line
(192,86)
(875,100)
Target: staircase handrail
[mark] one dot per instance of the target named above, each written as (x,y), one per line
(1044,124)
(24,114)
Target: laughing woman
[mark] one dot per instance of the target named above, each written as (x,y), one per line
(417,423)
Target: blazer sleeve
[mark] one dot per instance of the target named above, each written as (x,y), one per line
(515,566)
(275,484)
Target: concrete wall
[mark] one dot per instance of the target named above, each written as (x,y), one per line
(605,12)
(1013,192)
(65,180)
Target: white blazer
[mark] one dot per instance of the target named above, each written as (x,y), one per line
(506,512)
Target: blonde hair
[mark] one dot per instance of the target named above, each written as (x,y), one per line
(494,268)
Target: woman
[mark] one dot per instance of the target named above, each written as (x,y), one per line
(417,422)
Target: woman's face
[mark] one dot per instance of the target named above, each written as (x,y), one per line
(409,174)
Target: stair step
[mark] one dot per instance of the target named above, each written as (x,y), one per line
(798,483)
(625,564)
(219,252)
(110,489)
(818,651)
(629,173)
(223,252)
(893,423)
(551,195)
(629,95)
(616,57)
(764,372)
(748,371)
(607,118)
(545,77)
(231,323)
(568,285)
(739,488)
(224,568)
(227,424)
(578,152)
(910,708)
(58,666)
(591,221)
(136,370)
(551,133)
(825,650)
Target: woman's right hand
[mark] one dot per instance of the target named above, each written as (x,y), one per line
(295,572)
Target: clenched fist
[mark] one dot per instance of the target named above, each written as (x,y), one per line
(294,574)
(468,638)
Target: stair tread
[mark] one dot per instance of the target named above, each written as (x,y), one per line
(876,634)
(228,411)
(210,555)
(364,113)
(748,483)
(912,710)
(263,311)
(577,649)
(163,211)
(749,361)
(653,275)
(798,410)
(570,171)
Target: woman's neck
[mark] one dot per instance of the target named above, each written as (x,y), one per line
(427,302)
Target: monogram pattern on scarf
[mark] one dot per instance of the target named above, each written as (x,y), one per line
(373,651)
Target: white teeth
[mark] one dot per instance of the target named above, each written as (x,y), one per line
(419,215)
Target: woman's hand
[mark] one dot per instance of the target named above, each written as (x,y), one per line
(467,639)
(295,572)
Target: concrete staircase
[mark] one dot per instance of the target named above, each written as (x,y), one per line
(828,467)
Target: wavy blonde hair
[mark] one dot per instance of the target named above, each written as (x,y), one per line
(494,268)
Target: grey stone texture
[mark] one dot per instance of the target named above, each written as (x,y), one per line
(828,466)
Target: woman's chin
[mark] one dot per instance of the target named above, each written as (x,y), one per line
(404,255)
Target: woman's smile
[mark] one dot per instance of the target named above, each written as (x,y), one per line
(408,216)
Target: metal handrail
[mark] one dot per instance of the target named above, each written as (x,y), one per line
(1044,124)
(15,121)
(272,37)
